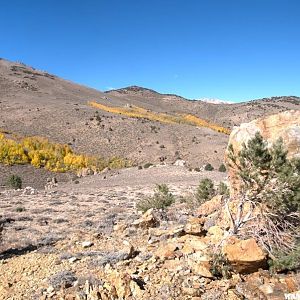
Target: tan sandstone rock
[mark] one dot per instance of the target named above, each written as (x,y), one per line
(193,244)
(147,220)
(216,234)
(209,207)
(194,226)
(167,251)
(202,269)
(285,125)
(245,256)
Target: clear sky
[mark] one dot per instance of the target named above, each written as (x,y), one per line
(227,49)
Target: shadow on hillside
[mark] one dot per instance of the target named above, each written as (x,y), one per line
(17,251)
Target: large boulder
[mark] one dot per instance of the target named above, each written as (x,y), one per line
(245,256)
(285,125)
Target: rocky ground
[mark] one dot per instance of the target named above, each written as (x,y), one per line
(33,177)
(86,240)
(83,238)
(89,202)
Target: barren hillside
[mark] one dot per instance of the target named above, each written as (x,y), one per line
(34,102)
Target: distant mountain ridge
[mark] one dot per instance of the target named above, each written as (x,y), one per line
(134,89)
(138,90)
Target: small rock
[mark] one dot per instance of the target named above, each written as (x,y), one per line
(209,207)
(202,269)
(147,220)
(50,289)
(73,259)
(166,251)
(194,226)
(180,163)
(87,244)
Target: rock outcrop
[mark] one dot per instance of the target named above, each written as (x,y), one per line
(285,125)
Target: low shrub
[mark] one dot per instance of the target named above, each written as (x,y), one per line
(161,199)
(223,189)
(269,182)
(14,181)
(20,209)
(205,190)
(220,266)
(147,165)
(222,168)
(208,167)
(286,262)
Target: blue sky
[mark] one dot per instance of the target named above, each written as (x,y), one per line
(227,49)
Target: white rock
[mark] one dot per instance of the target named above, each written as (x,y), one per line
(180,163)
(87,244)
(73,259)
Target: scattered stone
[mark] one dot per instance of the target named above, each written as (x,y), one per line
(194,226)
(73,259)
(87,244)
(180,163)
(209,207)
(147,220)
(29,191)
(64,279)
(167,251)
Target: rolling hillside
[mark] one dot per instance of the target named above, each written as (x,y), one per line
(36,103)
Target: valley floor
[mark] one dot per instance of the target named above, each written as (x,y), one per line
(48,225)
(85,240)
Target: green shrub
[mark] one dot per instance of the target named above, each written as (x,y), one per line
(223,189)
(208,167)
(20,209)
(14,181)
(270,184)
(220,266)
(286,262)
(205,190)
(147,165)
(222,168)
(161,199)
